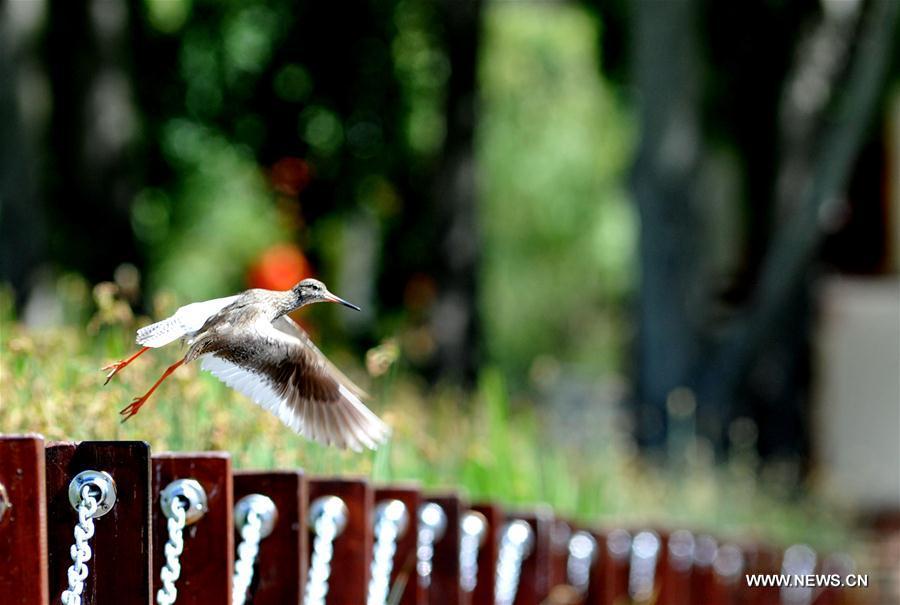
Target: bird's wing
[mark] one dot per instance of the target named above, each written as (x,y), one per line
(282,374)
(292,328)
(186,320)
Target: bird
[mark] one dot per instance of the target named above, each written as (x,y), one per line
(250,343)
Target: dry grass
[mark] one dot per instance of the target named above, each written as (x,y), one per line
(50,383)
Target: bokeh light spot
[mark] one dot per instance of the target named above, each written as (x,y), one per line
(321,129)
(292,83)
(279,268)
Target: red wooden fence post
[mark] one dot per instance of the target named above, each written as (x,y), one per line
(560,533)
(675,568)
(404,569)
(120,569)
(762,559)
(445,588)
(23,521)
(703,591)
(280,570)
(728,576)
(534,581)
(617,558)
(349,581)
(207,561)
(487,554)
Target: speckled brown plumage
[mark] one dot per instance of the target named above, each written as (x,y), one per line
(249,343)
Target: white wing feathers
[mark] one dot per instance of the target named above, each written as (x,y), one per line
(347,423)
(186,320)
(331,412)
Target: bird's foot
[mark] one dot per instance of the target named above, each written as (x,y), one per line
(113,369)
(132,408)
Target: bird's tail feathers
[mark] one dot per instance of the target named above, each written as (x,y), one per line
(346,423)
(160,333)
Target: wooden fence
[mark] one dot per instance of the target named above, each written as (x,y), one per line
(107,522)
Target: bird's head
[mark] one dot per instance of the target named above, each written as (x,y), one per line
(312,291)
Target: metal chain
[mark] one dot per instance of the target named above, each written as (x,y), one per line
(387,532)
(247,551)
(171,570)
(798,560)
(424,555)
(431,528)
(326,530)
(473,527)
(81,550)
(515,545)
(642,569)
(468,562)
(582,554)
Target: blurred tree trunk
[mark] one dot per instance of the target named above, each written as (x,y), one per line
(91,181)
(22,235)
(816,167)
(454,316)
(754,360)
(666,71)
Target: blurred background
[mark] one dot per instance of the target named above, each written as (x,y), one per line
(635,259)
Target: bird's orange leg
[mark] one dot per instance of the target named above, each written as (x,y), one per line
(115,368)
(132,408)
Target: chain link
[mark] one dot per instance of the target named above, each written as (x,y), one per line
(81,550)
(468,562)
(247,551)
(171,570)
(326,530)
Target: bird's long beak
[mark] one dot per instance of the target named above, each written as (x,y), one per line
(337,299)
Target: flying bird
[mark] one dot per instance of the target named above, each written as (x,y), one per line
(248,342)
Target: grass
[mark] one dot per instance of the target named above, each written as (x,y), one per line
(50,383)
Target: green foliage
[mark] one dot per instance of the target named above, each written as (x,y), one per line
(51,384)
(559,231)
(201,240)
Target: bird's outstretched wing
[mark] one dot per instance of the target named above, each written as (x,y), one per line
(287,375)
(292,328)
(186,320)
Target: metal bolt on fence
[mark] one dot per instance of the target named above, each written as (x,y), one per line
(255,517)
(183,502)
(92,494)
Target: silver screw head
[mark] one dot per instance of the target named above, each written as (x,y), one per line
(395,512)
(582,545)
(102,487)
(331,506)
(520,534)
(618,544)
(433,518)
(474,524)
(645,545)
(264,508)
(191,495)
